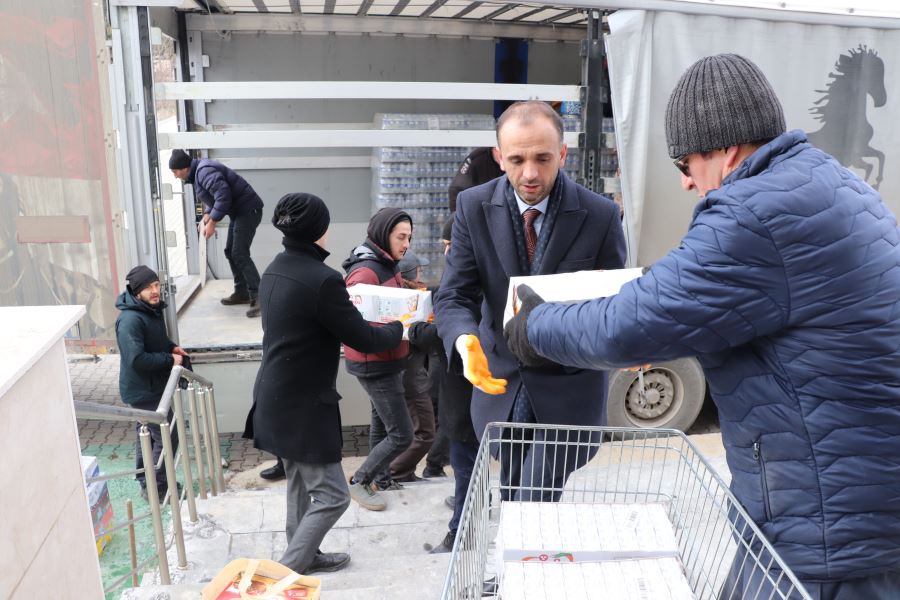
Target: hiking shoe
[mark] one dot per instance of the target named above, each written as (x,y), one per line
(254,309)
(411,478)
(391,485)
(326,562)
(430,472)
(235,298)
(366,497)
(446,544)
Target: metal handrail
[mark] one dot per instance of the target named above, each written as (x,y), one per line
(204,429)
(105,412)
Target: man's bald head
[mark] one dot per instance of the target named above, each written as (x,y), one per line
(526,112)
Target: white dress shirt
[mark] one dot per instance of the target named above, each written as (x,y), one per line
(540,206)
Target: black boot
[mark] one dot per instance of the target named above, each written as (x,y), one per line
(254,308)
(274,473)
(446,544)
(236,298)
(327,562)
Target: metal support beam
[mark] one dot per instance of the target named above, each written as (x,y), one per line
(594,78)
(156,201)
(353,24)
(365,90)
(334,138)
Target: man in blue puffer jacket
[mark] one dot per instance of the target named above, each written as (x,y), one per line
(787,289)
(224,192)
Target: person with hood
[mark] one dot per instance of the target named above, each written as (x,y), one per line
(786,288)
(225,193)
(147,357)
(306,315)
(374,262)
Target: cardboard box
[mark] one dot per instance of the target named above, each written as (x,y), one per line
(89,467)
(568,533)
(102,518)
(265,577)
(569,287)
(380,304)
(646,579)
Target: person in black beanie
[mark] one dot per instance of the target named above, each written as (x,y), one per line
(306,315)
(374,262)
(147,357)
(225,193)
(785,288)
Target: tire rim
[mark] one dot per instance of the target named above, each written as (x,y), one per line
(663,398)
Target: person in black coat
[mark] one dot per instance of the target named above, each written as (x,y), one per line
(306,315)
(454,416)
(147,358)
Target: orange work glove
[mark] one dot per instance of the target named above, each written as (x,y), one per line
(475,366)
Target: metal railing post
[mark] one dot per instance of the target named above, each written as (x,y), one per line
(195,435)
(214,423)
(153,500)
(178,405)
(203,401)
(174,496)
(129,509)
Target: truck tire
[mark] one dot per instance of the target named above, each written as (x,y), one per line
(674,396)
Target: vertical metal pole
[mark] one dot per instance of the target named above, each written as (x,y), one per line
(162,256)
(207,442)
(153,501)
(174,499)
(195,435)
(593,95)
(129,510)
(214,426)
(178,404)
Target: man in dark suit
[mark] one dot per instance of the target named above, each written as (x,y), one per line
(533,221)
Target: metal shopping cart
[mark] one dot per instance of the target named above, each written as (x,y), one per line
(722,552)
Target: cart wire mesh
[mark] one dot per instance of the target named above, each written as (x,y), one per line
(723,553)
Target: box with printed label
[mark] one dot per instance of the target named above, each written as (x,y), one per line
(644,579)
(383,304)
(569,287)
(565,533)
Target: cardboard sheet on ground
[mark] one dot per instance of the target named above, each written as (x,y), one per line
(569,287)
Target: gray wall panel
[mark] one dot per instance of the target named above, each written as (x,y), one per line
(295,57)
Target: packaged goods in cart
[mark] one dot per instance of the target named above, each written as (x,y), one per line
(261,580)
(569,287)
(645,579)
(561,532)
(383,304)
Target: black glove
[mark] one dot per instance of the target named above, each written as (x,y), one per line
(516,331)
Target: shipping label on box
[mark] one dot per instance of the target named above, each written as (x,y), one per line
(569,287)
(380,304)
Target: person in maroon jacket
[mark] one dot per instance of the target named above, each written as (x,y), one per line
(374,262)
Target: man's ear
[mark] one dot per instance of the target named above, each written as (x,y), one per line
(732,158)
(495,152)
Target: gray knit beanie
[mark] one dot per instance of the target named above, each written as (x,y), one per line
(721,101)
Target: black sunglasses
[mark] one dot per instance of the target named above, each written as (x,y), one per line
(682,166)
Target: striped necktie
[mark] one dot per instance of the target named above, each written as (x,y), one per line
(528,218)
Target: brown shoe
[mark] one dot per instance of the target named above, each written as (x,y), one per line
(236,298)
(254,309)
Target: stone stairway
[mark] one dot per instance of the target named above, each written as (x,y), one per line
(387,549)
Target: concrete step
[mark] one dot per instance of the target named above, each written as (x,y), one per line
(427,570)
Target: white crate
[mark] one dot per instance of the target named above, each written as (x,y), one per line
(645,579)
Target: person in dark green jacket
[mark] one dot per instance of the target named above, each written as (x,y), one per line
(147,358)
